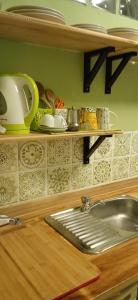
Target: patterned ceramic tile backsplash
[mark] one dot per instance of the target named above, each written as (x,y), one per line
(32,170)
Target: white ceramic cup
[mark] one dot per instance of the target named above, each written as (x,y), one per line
(61,111)
(48,120)
(59,121)
(103,115)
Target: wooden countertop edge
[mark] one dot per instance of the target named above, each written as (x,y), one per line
(112,279)
(119,266)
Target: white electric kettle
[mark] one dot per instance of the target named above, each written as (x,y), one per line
(18,102)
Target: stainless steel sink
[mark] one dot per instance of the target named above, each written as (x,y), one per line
(101,227)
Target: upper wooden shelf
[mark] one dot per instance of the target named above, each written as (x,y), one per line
(37,136)
(31,30)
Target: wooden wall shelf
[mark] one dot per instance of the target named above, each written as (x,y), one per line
(30,30)
(40,136)
(88,150)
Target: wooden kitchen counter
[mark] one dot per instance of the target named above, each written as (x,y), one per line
(118,266)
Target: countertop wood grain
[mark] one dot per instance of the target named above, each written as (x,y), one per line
(118,266)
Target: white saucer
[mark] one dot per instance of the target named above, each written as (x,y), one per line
(52,129)
(44,16)
(91,27)
(38,11)
(33,7)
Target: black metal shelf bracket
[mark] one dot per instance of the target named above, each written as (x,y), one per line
(110,77)
(89,74)
(87,150)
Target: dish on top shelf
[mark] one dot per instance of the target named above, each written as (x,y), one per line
(34,7)
(91,27)
(38,12)
(128,33)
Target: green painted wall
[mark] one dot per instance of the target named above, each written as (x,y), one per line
(63,70)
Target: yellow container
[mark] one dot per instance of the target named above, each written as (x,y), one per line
(88,118)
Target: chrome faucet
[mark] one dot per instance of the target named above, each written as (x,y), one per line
(9,220)
(88,204)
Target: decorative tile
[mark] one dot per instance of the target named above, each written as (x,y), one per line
(81,176)
(58,180)
(133,165)
(101,171)
(31,155)
(92,139)
(77,150)
(9,189)
(59,152)
(120,167)
(8,158)
(66,170)
(104,150)
(134,145)
(32,184)
(122,144)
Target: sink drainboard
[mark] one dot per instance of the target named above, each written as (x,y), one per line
(88,233)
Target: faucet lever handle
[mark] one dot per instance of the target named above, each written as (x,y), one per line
(9,220)
(86,200)
(86,203)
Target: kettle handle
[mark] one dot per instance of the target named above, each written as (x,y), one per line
(27,80)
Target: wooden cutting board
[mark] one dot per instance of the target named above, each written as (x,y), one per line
(13,284)
(52,266)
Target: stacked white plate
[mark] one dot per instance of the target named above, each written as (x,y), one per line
(47,129)
(91,27)
(47,14)
(128,33)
